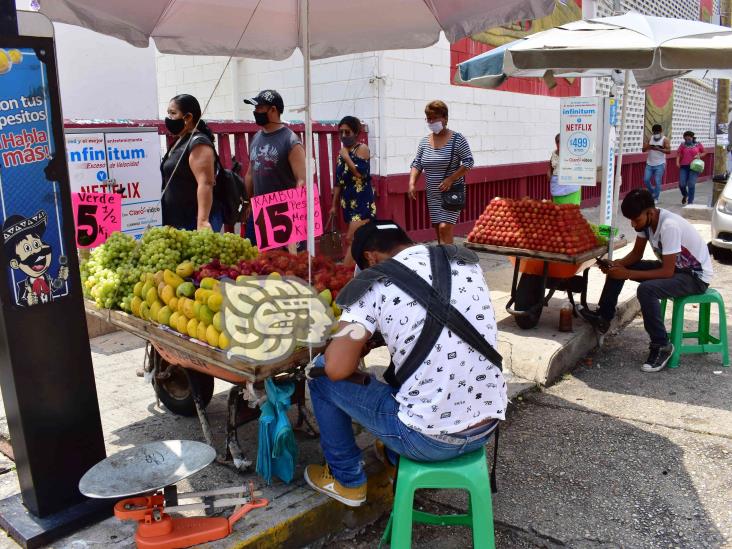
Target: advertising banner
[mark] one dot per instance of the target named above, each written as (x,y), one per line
(121,162)
(579,135)
(32,221)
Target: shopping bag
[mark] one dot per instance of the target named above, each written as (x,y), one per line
(331,241)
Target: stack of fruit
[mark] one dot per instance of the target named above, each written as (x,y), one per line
(325,273)
(534,225)
(171,299)
(113,268)
(167,298)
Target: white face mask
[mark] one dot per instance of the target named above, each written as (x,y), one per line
(435,127)
(656,136)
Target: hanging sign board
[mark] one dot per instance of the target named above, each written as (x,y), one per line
(280,218)
(579,134)
(122,162)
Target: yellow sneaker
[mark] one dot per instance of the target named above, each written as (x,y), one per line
(321,480)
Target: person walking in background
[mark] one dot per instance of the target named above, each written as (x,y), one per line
(352,191)
(561,194)
(445,157)
(189,169)
(688,151)
(277,157)
(657,147)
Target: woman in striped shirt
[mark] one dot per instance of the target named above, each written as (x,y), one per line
(445,157)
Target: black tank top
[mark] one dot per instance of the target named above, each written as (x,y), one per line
(180,201)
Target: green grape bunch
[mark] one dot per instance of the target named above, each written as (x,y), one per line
(112,269)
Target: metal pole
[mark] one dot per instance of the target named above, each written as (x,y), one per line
(720,151)
(619,165)
(305,37)
(8,18)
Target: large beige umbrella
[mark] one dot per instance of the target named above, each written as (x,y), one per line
(642,48)
(273,29)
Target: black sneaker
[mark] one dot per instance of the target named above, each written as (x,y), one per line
(598,322)
(683,201)
(658,357)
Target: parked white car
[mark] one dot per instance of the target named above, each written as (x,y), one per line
(722,221)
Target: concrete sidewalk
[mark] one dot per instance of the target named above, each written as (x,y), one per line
(297,515)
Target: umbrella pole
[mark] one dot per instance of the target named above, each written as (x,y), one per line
(619,166)
(305,37)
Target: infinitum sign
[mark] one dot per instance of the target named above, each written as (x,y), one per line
(121,162)
(578,140)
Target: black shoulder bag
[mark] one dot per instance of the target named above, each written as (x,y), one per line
(453,200)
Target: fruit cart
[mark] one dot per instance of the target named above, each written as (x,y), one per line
(183,373)
(541,271)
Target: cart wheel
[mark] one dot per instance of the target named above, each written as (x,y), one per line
(528,294)
(175,391)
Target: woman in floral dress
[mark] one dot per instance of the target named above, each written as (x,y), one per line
(352,191)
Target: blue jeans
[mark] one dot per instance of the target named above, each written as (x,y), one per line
(687,182)
(650,292)
(654,173)
(337,403)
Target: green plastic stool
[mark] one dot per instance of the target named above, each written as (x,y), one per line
(706,343)
(467,472)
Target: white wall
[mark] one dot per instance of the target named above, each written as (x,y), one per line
(501,127)
(102,77)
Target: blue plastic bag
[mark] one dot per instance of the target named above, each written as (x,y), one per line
(277,452)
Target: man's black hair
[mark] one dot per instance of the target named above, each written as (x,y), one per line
(657,128)
(635,202)
(377,236)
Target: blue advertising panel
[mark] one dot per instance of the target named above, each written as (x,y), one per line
(30,204)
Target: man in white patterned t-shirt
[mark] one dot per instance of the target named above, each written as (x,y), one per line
(451,403)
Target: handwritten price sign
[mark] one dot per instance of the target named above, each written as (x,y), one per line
(96,216)
(281,217)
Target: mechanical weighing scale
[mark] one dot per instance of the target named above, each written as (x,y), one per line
(149,473)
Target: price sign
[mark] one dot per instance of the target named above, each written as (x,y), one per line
(96,216)
(280,218)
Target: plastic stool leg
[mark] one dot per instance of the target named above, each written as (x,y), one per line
(481,508)
(723,339)
(401,531)
(386,538)
(704,314)
(677,332)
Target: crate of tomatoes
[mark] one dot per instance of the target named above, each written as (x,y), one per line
(538,225)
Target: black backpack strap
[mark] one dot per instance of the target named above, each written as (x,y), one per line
(437,295)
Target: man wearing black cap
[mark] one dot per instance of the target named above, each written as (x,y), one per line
(445,395)
(276,155)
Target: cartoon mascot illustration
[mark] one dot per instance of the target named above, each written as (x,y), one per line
(26,252)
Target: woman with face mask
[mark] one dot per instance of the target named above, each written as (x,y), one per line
(445,157)
(352,191)
(188,169)
(688,151)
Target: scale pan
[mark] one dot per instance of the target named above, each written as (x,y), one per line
(145,468)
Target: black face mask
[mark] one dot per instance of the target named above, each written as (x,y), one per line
(175,125)
(261,118)
(348,140)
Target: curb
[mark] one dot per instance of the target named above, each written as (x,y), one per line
(323,519)
(566,358)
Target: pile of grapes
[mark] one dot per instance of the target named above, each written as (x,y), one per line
(112,270)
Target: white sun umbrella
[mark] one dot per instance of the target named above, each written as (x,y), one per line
(273,29)
(646,49)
